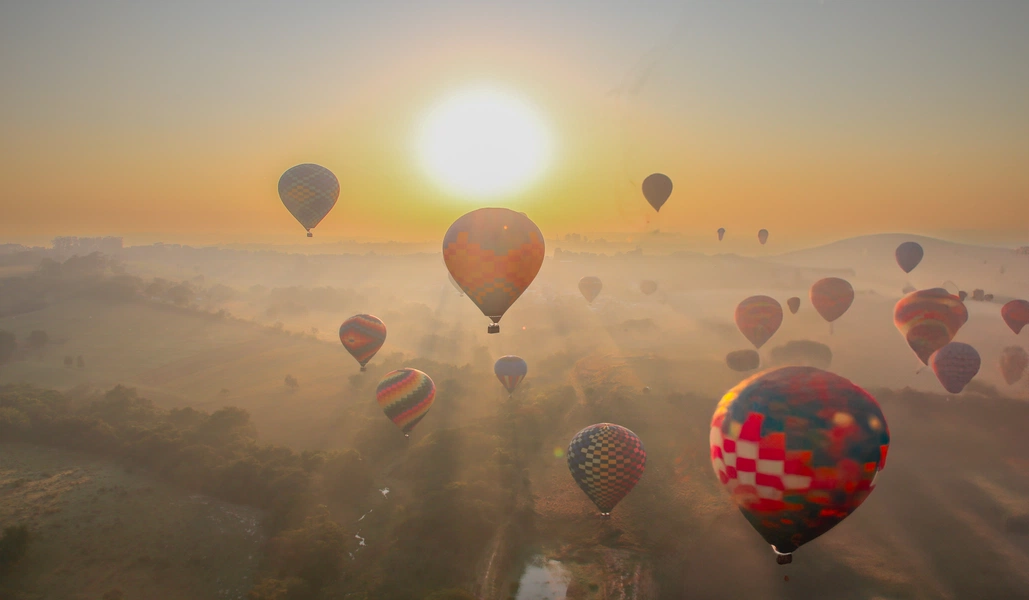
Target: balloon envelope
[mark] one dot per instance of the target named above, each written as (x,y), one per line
(590,287)
(831,297)
(758,318)
(510,370)
(908,255)
(1013,362)
(648,287)
(955,365)
(743,360)
(606,462)
(929,320)
(406,395)
(656,189)
(457,286)
(794,304)
(362,336)
(309,192)
(493,254)
(1016,315)
(721,233)
(762,236)
(799,450)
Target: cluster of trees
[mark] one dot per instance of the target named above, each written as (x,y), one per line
(33,345)
(14,543)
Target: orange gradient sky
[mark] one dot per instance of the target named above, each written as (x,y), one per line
(816,120)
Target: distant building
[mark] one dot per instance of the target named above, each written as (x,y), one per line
(69,246)
(1023,250)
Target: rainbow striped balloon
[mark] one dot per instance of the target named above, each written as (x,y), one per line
(510,370)
(406,395)
(362,336)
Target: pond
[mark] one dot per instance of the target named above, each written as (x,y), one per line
(543,580)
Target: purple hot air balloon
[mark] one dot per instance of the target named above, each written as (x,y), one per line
(955,365)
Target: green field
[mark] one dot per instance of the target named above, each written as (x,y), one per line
(96,528)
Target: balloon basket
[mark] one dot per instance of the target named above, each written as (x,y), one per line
(363,368)
(407,436)
(782,559)
(605,515)
(494,328)
(309,234)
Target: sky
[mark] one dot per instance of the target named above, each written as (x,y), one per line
(814,119)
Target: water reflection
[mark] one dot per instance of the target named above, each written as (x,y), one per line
(543,580)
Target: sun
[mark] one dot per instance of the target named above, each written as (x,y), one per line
(484,142)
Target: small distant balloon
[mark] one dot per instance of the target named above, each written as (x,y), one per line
(510,370)
(743,360)
(1015,315)
(962,295)
(758,318)
(590,288)
(648,287)
(362,336)
(955,365)
(721,233)
(908,255)
(832,297)
(762,236)
(606,462)
(309,192)
(406,395)
(794,304)
(1013,363)
(656,189)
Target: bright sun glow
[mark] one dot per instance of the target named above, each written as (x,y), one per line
(484,142)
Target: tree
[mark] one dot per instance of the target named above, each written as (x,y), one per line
(69,362)
(292,383)
(8,346)
(13,545)
(80,363)
(36,341)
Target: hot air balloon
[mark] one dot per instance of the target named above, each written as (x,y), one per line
(798,449)
(309,193)
(493,254)
(362,336)
(955,365)
(758,318)
(794,304)
(648,287)
(510,370)
(1013,362)
(656,189)
(743,360)
(406,395)
(1016,315)
(831,297)
(590,288)
(909,254)
(721,233)
(456,285)
(606,461)
(762,236)
(929,320)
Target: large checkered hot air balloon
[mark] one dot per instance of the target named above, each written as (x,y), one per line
(309,192)
(831,297)
(362,336)
(758,318)
(606,462)
(798,449)
(405,395)
(510,370)
(929,320)
(493,254)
